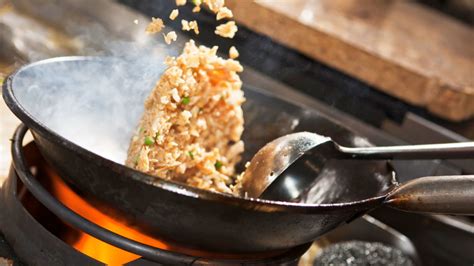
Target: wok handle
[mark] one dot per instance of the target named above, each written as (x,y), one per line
(461,150)
(435,194)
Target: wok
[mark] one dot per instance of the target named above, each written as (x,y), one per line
(82,113)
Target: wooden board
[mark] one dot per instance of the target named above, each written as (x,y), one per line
(400,47)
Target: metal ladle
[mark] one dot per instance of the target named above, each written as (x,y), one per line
(276,171)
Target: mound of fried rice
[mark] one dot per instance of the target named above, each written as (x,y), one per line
(191,128)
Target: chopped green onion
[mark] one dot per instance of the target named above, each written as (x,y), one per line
(196,2)
(218,165)
(185,100)
(190,153)
(135,160)
(148,141)
(156,136)
(140,130)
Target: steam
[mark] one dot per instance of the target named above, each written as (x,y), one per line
(96,103)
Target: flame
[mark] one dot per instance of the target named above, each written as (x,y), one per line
(92,246)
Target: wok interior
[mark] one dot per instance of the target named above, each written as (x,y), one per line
(97,103)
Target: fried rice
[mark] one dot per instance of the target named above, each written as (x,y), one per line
(192,125)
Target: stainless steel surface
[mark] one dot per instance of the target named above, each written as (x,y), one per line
(459,150)
(417,130)
(281,154)
(436,194)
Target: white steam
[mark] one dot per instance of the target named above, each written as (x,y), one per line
(94,103)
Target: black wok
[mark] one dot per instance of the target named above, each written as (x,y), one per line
(67,104)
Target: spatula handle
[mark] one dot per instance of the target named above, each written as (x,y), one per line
(461,150)
(435,194)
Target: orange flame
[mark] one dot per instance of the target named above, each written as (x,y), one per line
(92,246)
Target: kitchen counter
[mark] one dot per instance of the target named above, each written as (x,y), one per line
(405,49)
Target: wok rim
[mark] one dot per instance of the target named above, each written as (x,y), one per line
(184,190)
